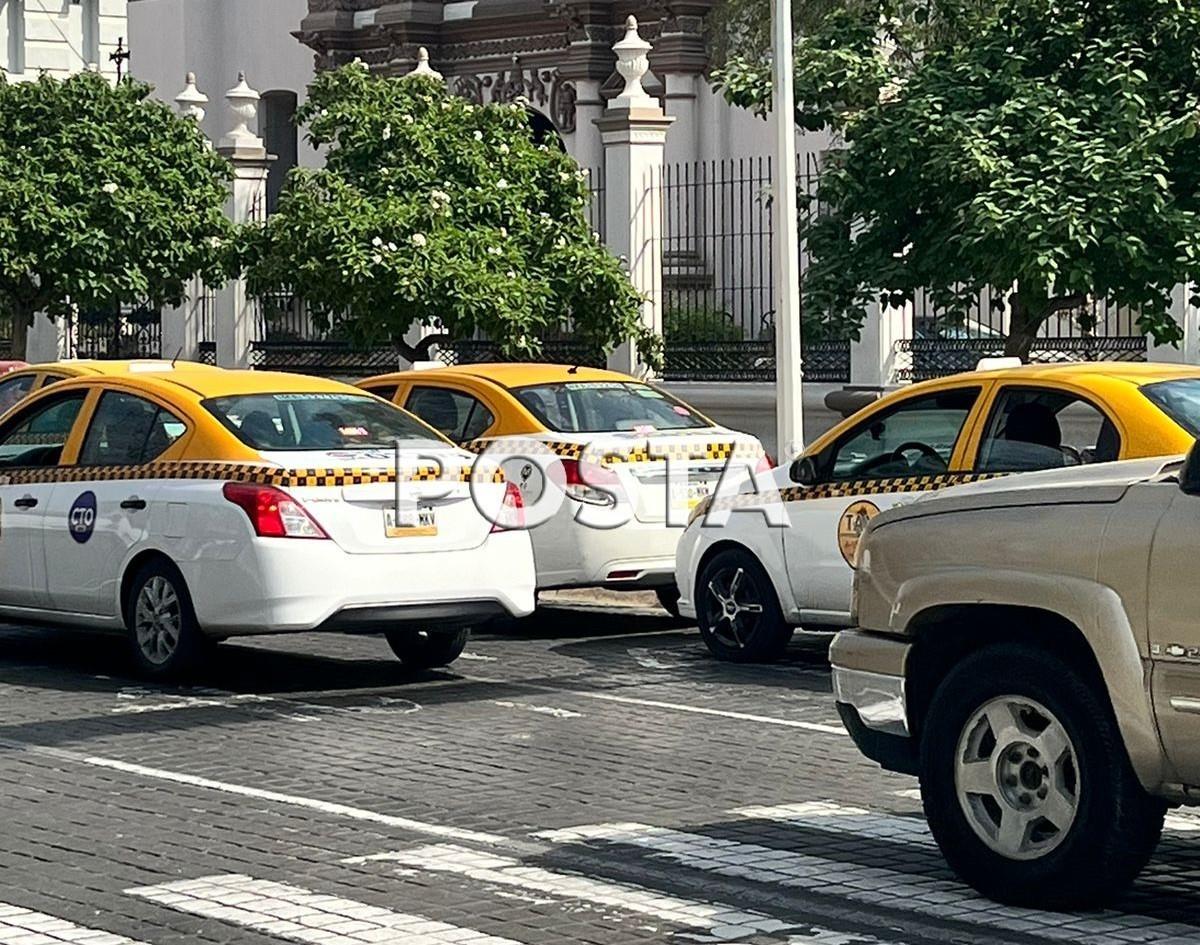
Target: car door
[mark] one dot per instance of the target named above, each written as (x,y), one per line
(457,414)
(1040,426)
(32,441)
(1173,601)
(890,456)
(92,523)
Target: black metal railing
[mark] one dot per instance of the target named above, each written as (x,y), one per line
(116,332)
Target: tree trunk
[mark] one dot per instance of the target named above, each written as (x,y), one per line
(22,319)
(419,351)
(1027,310)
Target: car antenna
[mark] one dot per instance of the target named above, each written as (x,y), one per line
(573,370)
(177,354)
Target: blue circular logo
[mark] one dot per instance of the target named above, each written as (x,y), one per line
(81,520)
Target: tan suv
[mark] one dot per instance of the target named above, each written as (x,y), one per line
(1030,647)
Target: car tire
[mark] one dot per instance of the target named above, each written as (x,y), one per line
(420,649)
(737,610)
(1060,820)
(668,599)
(160,621)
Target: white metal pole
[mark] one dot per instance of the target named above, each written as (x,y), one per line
(789,406)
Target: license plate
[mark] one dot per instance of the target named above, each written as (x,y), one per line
(412,521)
(690,496)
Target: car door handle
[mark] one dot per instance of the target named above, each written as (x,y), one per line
(133,502)
(25,502)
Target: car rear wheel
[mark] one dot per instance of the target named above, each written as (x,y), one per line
(1027,786)
(738,611)
(164,636)
(422,649)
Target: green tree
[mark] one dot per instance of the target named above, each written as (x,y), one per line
(106,196)
(432,210)
(1043,148)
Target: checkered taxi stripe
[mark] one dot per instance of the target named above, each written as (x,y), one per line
(836,490)
(250,472)
(646,451)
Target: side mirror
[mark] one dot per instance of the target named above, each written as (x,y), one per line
(1189,475)
(804,471)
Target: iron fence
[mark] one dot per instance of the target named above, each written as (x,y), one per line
(719,275)
(116,332)
(946,341)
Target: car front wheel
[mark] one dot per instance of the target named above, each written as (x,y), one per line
(739,615)
(421,649)
(161,623)
(1027,786)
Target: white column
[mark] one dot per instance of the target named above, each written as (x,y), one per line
(181,324)
(235,310)
(681,104)
(789,409)
(873,356)
(587,148)
(634,132)
(46,340)
(1187,318)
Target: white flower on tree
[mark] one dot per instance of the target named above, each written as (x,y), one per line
(418,240)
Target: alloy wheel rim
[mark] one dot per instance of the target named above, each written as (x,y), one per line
(734,606)
(158,620)
(1016,776)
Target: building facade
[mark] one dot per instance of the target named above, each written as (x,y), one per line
(60,38)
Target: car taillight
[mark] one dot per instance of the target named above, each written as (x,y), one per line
(272,512)
(766,463)
(512,510)
(585,482)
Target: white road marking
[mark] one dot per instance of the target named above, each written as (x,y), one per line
(277,797)
(724,921)
(466,655)
(671,706)
(175,701)
(910,793)
(721,922)
(26,927)
(826,815)
(541,709)
(876,886)
(300,915)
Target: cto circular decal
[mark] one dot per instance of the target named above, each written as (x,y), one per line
(81,520)
(851,526)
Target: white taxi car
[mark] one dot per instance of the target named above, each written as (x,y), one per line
(186,505)
(609,467)
(762,564)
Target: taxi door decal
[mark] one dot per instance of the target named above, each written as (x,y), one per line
(851,525)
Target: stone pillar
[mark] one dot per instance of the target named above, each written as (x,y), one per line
(1188,318)
(681,104)
(873,356)
(589,108)
(235,311)
(47,340)
(634,131)
(181,324)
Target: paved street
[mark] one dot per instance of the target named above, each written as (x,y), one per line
(589,776)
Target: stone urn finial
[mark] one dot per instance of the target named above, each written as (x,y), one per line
(632,63)
(423,67)
(191,101)
(243,105)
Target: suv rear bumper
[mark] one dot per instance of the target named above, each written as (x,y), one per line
(869,688)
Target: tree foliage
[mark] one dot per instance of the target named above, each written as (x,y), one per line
(1043,148)
(436,211)
(106,197)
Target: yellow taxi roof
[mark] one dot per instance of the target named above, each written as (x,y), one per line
(513,374)
(202,382)
(83,366)
(1134,372)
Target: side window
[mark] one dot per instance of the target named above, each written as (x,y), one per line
(48,379)
(915,438)
(456,415)
(13,390)
(1045,429)
(36,437)
(128,431)
(386,391)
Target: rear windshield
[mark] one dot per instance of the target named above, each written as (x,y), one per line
(604,406)
(1179,400)
(316,421)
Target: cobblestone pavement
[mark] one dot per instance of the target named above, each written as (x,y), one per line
(585,776)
